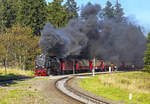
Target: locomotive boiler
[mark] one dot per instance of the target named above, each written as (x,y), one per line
(46,65)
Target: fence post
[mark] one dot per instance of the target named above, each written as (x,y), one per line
(4,61)
(93,67)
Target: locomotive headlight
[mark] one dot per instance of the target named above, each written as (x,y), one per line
(36,66)
(42,66)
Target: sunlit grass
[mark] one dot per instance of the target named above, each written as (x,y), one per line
(118,86)
(14,73)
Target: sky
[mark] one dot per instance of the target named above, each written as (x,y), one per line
(138,10)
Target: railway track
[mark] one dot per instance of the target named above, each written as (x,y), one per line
(63,86)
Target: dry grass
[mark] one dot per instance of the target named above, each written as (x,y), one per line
(133,82)
(16,72)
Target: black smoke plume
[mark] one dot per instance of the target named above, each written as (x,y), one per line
(64,41)
(89,36)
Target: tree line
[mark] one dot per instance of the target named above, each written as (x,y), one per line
(20,24)
(35,13)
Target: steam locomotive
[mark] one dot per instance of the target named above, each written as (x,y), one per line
(51,65)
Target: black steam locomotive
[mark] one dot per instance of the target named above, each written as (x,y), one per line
(46,65)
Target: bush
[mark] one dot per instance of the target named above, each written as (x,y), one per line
(19,47)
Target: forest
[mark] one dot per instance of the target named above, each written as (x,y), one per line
(20,24)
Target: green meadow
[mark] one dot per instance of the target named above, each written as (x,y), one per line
(118,86)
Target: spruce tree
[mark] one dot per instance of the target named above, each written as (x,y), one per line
(57,13)
(147,55)
(33,13)
(8,13)
(118,13)
(108,11)
(72,9)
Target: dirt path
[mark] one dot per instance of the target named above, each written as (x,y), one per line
(55,97)
(33,91)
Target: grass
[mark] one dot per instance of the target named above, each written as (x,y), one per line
(14,74)
(22,92)
(118,86)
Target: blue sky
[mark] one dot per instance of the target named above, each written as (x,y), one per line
(139,10)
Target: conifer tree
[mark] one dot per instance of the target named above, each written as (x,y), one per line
(118,13)
(72,9)
(57,13)
(147,55)
(8,13)
(33,13)
(108,11)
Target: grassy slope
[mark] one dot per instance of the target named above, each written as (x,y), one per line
(14,74)
(118,86)
(21,92)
